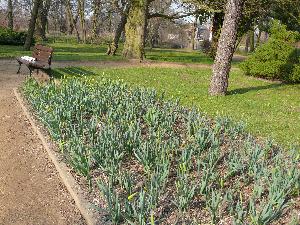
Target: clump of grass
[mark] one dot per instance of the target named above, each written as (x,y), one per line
(162,163)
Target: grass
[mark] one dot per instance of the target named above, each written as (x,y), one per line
(64,52)
(92,52)
(269,109)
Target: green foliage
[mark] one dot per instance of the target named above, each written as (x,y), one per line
(276,58)
(10,37)
(295,77)
(149,155)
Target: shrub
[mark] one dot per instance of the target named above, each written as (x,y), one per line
(295,76)
(276,58)
(10,37)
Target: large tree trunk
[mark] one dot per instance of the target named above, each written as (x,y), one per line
(113,47)
(10,15)
(81,9)
(226,47)
(217,22)
(135,30)
(31,27)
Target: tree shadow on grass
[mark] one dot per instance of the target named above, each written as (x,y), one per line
(60,73)
(257,88)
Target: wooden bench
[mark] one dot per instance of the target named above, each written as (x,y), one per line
(42,55)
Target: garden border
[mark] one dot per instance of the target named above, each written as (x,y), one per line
(85,208)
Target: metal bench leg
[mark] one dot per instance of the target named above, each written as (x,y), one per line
(20,64)
(30,70)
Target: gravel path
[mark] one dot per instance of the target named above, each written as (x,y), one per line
(31,191)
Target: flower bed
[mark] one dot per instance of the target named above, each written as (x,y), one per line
(156,162)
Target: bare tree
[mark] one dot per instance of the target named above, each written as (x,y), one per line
(226,47)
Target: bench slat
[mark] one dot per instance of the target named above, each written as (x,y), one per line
(44,48)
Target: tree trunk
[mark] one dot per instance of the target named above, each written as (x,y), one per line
(113,47)
(194,32)
(217,22)
(258,38)
(31,27)
(10,15)
(72,21)
(43,19)
(81,8)
(95,21)
(226,47)
(252,41)
(135,30)
(247,44)
(70,17)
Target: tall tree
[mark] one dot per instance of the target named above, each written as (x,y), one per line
(31,27)
(10,14)
(135,29)
(226,47)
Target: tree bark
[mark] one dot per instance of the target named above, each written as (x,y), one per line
(135,30)
(113,47)
(226,47)
(217,22)
(252,41)
(10,15)
(31,27)
(95,21)
(81,9)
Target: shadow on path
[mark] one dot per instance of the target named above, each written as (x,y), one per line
(73,71)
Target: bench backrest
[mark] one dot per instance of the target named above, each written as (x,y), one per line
(42,54)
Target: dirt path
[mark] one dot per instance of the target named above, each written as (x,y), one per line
(31,191)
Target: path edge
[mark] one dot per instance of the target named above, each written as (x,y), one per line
(85,208)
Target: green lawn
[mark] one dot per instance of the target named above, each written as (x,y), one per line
(269,109)
(64,51)
(92,52)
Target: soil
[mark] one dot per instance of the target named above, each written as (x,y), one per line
(31,191)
